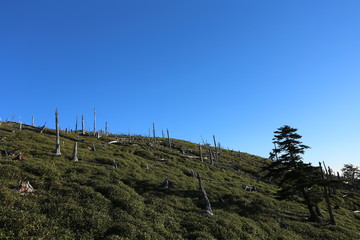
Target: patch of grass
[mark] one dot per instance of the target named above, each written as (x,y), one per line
(91,199)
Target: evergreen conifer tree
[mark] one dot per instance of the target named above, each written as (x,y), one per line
(291,173)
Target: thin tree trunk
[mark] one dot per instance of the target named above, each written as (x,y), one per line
(313,216)
(276,156)
(333,188)
(106,129)
(208,209)
(76,125)
(201,156)
(211,157)
(326,173)
(32,121)
(168,136)
(327,199)
(216,150)
(75,157)
(43,128)
(82,125)
(57,146)
(154,134)
(94,121)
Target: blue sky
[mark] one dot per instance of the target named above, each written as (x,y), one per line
(236,69)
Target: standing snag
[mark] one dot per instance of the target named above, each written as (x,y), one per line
(43,128)
(327,199)
(57,146)
(76,124)
(75,157)
(154,133)
(82,125)
(216,157)
(168,136)
(208,209)
(201,156)
(94,121)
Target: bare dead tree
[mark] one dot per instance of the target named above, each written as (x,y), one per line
(168,136)
(82,125)
(154,135)
(75,153)
(43,128)
(32,121)
(94,121)
(216,150)
(201,156)
(327,199)
(326,175)
(208,209)
(106,128)
(57,146)
(76,125)
(211,157)
(162,133)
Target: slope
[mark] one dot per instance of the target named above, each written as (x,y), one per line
(94,199)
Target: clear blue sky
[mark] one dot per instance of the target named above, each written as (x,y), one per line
(236,69)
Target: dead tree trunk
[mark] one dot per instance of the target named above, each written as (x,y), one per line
(154,134)
(216,150)
(208,209)
(168,136)
(313,215)
(106,129)
(94,121)
(57,146)
(211,157)
(32,121)
(82,125)
(326,176)
(43,128)
(20,126)
(327,199)
(162,133)
(75,157)
(76,125)
(333,188)
(201,156)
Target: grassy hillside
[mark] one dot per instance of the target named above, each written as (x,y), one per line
(90,199)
